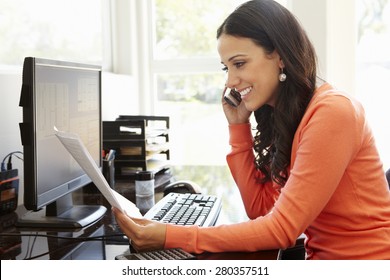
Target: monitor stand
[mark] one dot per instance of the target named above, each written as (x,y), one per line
(63,214)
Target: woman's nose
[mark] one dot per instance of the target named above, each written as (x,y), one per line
(232,80)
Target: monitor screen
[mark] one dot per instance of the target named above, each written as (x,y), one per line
(67,96)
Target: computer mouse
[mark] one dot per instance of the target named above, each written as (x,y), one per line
(182,186)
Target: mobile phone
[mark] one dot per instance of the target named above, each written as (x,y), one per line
(232,97)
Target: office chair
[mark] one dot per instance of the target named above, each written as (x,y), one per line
(296,252)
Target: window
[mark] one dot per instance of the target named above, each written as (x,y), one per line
(373,69)
(62,29)
(187,77)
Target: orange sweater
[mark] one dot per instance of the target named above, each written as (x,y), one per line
(336,193)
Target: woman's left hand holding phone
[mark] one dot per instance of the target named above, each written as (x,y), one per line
(235,115)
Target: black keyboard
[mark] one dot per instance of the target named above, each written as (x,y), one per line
(167,254)
(186,209)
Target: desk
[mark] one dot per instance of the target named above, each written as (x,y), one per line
(214,180)
(58,247)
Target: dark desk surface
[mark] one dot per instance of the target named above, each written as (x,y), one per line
(61,244)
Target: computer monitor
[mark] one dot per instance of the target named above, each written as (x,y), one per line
(68,96)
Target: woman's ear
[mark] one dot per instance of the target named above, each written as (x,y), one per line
(277,56)
(281,63)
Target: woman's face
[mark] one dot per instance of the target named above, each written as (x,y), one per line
(250,70)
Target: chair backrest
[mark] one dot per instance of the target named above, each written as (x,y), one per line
(297,252)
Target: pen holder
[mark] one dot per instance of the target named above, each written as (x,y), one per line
(109,172)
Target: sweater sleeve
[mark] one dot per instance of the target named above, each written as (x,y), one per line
(258,198)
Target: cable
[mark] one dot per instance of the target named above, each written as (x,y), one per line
(9,163)
(32,248)
(104,237)
(27,248)
(75,240)
(51,251)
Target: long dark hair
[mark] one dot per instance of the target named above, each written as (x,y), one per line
(273,27)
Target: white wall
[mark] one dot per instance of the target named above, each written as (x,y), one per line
(330,24)
(10,116)
(118,96)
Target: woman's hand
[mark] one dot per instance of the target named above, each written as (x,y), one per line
(235,115)
(145,235)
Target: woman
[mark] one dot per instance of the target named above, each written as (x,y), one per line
(312,166)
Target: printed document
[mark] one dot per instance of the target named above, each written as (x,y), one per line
(80,153)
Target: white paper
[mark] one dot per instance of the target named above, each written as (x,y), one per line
(79,152)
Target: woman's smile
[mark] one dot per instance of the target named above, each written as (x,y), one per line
(244,92)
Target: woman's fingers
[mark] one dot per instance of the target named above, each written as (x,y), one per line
(144,234)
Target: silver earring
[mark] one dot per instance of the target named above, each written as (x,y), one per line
(282,76)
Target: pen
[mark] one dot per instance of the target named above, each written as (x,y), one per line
(110,155)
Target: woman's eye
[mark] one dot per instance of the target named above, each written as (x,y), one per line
(236,65)
(239,64)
